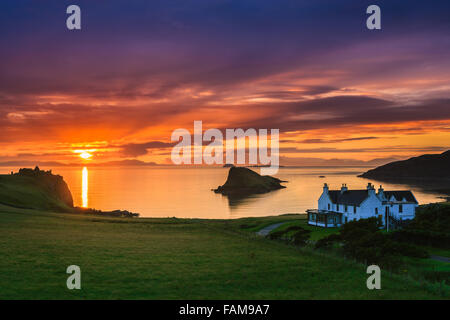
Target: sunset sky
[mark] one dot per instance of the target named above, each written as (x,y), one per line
(338,92)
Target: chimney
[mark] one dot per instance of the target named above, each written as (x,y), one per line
(370,189)
(381,192)
(325,188)
(344,188)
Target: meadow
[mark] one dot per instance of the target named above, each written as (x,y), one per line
(155,258)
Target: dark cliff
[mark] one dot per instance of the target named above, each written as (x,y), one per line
(35,189)
(429,166)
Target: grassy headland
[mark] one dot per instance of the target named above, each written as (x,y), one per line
(35,189)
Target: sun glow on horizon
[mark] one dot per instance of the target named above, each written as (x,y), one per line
(85,154)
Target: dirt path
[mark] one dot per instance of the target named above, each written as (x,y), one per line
(265,231)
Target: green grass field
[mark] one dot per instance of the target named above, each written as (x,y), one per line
(316,232)
(123,258)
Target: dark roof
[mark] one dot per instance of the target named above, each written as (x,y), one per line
(399,195)
(349,197)
(356,197)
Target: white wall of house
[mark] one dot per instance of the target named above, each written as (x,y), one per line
(372,206)
(407,210)
(324,201)
(349,213)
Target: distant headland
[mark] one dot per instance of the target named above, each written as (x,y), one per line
(428,166)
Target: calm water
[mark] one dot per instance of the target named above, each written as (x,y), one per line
(186,192)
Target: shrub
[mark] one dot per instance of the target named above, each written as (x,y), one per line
(363,241)
(294,228)
(430,227)
(276,235)
(433,217)
(300,237)
(437,276)
(373,248)
(328,241)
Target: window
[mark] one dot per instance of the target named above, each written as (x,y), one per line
(376,210)
(400,208)
(328,206)
(337,207)
(354,209)
(346,208)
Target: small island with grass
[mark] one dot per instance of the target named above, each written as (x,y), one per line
(242,181)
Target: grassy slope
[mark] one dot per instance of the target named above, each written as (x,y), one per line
(413,267)
(316,232)
(26,192)
(171,259)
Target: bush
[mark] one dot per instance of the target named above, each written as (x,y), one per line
(327,241)
(373,248)
(437,276)
(276,235)
(294,228)
(423,237)
(409,250)
(430,227)
(370,225)
(433,217)
(363,241)
(300,237)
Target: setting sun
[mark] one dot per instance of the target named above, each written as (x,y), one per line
(85,154)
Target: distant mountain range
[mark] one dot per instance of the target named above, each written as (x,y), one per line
(31,163)
(428,166)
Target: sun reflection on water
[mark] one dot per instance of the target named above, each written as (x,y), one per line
(84,188)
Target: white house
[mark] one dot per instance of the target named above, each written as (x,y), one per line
(341,206)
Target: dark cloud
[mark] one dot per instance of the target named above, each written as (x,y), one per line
(312,161)
(386,149)
(140,64)
(150,48)
(140,149)
(335,140)
(341,111)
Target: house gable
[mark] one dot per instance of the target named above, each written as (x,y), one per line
(403,196)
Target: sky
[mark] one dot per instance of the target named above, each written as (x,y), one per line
(340,94)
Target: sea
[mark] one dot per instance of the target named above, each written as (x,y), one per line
(185,192)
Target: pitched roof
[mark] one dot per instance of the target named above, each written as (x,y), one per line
(349,197)
(400,195)
(356,197)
